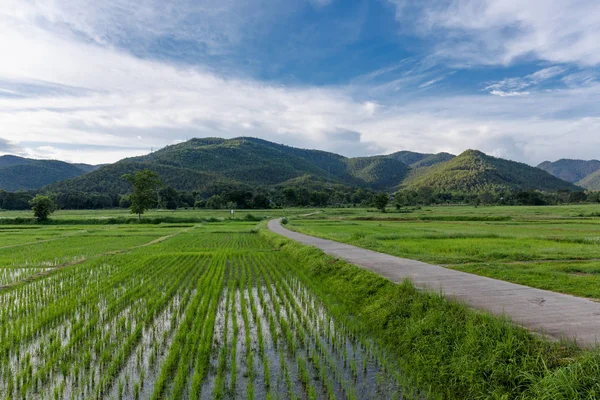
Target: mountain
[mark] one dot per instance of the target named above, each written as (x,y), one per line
(571,170)
(200,164)
(18,173)
(378,172)
(474,171)
(211,165)
(591,182)
(419,160)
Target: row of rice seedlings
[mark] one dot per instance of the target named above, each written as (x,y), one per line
(69,249)
(144,361)
(307,364)
(290,377)
(194,241)
(220,382)
(109,351)
(251,286)
(369,366)
(198,321)
(11,275)
(19,333)
(84,333)
(356,353)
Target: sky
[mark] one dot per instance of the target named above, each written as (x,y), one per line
(96,81)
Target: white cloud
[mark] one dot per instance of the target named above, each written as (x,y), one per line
(112,98)
(515,86)
(500,32)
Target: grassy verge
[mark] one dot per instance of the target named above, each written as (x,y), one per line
(447,350)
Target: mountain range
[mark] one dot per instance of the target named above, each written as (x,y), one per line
(18,173)
(584,173)
(207,164)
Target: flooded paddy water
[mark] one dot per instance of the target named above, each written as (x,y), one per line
(199,315)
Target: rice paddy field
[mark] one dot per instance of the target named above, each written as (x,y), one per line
(170,312)
(195,305)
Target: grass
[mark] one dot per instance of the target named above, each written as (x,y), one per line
(446,349)
(545,247)
(216,310)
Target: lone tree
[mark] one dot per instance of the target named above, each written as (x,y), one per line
(145,184)
(42,207)
(380,201)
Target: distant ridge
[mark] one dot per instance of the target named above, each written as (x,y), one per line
(474,171)
(419,160)
(581,172)
(207,164)
(199,164)
(18,173)
(591,182)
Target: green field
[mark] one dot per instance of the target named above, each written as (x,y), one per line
(555,248)
(184,311)
(226,309)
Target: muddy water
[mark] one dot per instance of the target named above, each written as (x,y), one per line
(311,355)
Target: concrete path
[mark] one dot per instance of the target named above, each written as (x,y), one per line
(554,314)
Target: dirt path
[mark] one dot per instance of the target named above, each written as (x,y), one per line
(554,314)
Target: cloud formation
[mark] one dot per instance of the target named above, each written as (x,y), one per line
(501,32)
(71,88)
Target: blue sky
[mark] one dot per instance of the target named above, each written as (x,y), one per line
(90,81)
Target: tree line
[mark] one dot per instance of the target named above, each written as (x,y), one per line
(232,197)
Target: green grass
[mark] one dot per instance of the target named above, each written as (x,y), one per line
(147,312)
(546,247)
(447,350)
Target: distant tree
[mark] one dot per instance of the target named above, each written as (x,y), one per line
(380,201)
(145,184)
(215,202)
(425,194)
(260,201)
(319,198)
(169,198)
(125,201)
(594,197)
(577,197)
(200,203)
(42,207)
(290,196)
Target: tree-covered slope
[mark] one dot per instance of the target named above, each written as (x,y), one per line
(209,163)
(474,171)
(251,160)
(107,179)
(18,173)
(378,172)
(199,163)
(591,182)
(571,170)
(419,160)
(433,159)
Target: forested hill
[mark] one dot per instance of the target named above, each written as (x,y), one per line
(591,182)
(202,164)
(420,160)
(18,173)
(474,171)
(581,172)
(211,165)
